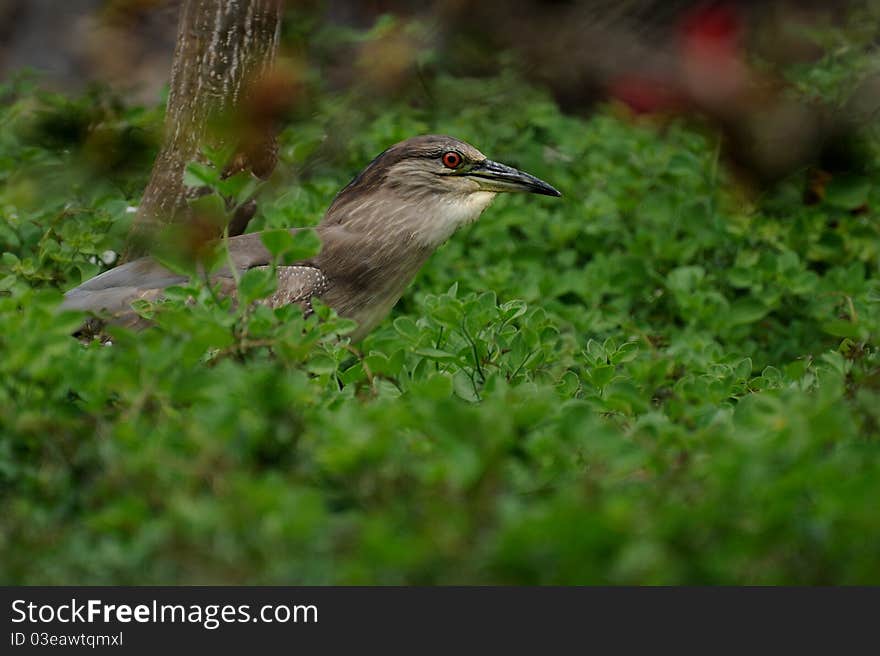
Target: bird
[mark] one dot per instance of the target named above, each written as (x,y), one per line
(377,233)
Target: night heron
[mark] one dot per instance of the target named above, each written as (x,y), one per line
(375,237)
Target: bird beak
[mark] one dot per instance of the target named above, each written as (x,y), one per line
(494,176)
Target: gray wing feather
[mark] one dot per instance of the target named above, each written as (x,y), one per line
(113,291)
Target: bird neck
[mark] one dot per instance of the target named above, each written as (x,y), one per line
(374,244)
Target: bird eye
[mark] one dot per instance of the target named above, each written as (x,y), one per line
(451,159)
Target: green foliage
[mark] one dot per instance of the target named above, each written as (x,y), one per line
(650,380)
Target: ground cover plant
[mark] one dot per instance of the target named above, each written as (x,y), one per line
(662,379)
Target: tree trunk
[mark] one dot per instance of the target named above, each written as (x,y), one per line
(224,48)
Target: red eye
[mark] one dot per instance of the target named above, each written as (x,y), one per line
(452,159)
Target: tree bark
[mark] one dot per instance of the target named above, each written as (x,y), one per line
(224,48)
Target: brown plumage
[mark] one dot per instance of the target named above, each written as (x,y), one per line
(375,236)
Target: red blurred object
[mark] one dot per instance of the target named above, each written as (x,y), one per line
(713,69)
(712,30)
(645,95)
(707,70)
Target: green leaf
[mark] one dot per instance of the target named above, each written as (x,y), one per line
(743,369)
(435,387)
(238,188)
(277,242)
(406,327)
(847,191)
(255,284)
(322,364)
(200,175)
(842,328)
(625,353)
(306,244)
(211,206)
(291,247)
(744,311)
(464,387)
(601,376)
(437,354)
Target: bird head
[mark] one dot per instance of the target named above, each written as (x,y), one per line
(425,188)
(445,165)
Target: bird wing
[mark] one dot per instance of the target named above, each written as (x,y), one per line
(113,292)
(298,284)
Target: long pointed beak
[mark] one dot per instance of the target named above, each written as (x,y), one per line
(494,176)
